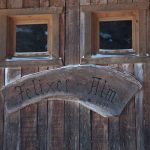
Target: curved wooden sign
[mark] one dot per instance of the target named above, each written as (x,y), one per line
(101,89)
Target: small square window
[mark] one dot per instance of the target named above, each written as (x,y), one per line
(115,32)
(31,38)
(115,35)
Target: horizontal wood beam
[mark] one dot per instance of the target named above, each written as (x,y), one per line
(31,62)
(110,59)
(110,7)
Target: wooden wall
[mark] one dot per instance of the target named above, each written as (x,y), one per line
(65,125)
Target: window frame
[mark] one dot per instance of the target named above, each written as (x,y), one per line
(86,27)
(6,41)
(132,15)
(13,21)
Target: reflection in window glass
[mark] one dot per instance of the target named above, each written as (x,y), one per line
(115,34)
(31,38)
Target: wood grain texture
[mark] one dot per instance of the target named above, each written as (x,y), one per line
(139,98)
(57,3)
(85,2)
(42,121)
(28,123)
(146,107)
(99,132)
(72,54)
(31,3)
(55,139)
(14,3)
(127,120)
(44,3)
(95,2)
(85,128)
(112,1)
(3,4)
(1,109)
(12,121)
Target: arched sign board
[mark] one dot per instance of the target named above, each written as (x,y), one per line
(101,89)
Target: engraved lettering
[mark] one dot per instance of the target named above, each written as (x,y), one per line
(34,86)
(28,93)
(58,85)
(20,90)
(95,85)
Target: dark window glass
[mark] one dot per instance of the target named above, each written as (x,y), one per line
(31,38)
(116,34)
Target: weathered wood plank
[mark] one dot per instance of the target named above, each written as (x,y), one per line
(112,1)
(3,4)
(72,56)
(85,2)
(57,3)
(85,128)
(44,3)
(125,1)
(14,3)
(42,121)
(139,99)
(127,120)
(71,126)
(28,123)
(114,134)
(146,107)
(95,2)
(55,139)
(99,132)
(12,121)
(31,3)
(1,109)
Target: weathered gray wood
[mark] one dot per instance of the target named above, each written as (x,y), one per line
(55,138)
(84,2)
(28,123)
(96,2)
(146,107)
(44,3)
(99,132)
(127,120)
(85,128)
(103,94)
(57,3)
(3,4)
(1,109)
(139,99)
(14,4)
(30,62)
(12,122)
(71,126)
(109,59)
(31,3)
(110,7)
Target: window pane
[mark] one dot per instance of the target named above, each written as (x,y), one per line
(31,38)
(115,34)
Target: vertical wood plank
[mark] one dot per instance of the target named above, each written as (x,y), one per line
(3,4)
(146,107)
(125,1)
(1,109)
(72,54)
(28,123)
(112,1)
(127,120)
(99,132)
(85,128)
(57,3)
(142,31)
(55,125)
(12,121)
(96,2)
(44,3)
(139,73)
(14,3)
(42,121)
(85,2)
(31,3)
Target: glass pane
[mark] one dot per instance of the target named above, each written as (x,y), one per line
(31,38)
(115,35)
